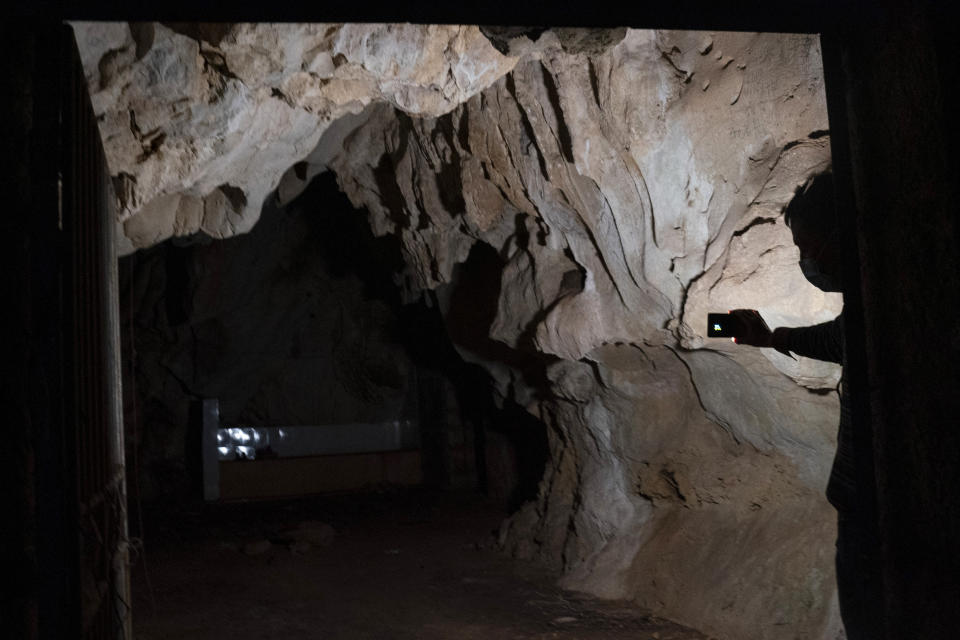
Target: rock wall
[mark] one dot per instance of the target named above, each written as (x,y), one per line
(625,183)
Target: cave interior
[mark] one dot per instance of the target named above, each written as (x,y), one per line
(368,340)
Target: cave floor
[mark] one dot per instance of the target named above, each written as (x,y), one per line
(401,565)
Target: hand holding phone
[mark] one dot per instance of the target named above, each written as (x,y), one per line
(723,325)
(745,326)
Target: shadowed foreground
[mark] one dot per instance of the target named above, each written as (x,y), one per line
(398,566)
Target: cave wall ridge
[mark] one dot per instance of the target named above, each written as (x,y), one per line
(628,193)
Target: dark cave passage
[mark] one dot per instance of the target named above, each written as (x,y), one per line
(301,322)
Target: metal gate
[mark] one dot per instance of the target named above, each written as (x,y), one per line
(91,356)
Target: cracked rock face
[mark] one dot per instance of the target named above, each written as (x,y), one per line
(630,182)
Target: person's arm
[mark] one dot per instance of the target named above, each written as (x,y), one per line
(822,341)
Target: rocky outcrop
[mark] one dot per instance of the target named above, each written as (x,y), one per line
(629,193)
(629,182)
(198,131)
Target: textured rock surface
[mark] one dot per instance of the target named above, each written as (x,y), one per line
(626,182)
(198,131)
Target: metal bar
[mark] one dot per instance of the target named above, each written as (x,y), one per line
(208,442)
(93,435)
(236,442)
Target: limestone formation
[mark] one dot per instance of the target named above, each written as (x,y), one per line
(197,133)
(630,181)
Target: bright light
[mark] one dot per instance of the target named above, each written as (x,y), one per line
(238,435)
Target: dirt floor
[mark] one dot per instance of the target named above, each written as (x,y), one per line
(394,565)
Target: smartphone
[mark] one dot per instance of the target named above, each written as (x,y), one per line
(722,325)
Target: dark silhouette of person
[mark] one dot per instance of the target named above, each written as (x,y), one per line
(811,217)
